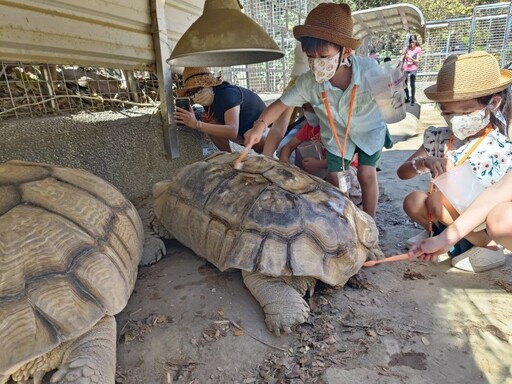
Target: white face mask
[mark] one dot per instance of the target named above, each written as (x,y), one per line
(324,68)
(204,97)
(464,126)
(312,119)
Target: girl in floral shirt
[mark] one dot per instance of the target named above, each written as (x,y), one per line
(474,98)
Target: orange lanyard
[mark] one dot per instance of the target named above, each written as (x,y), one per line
(488,130)
(331,122)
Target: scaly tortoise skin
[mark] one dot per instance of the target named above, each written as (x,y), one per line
(282,227)
(70,244)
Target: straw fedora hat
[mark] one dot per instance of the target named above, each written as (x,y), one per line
(329,22)
(469,76)
(197,77)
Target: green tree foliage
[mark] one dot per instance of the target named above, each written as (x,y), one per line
(431,9)
(392,45)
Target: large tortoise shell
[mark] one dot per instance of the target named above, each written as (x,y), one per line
(70,244)
(268,217)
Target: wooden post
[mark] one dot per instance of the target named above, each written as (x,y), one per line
(131,85)
(161,43)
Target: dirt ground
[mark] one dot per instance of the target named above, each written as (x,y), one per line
(407,322)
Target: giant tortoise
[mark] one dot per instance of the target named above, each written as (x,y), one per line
(70,244)
(282,227)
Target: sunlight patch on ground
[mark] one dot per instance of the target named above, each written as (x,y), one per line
(478,316)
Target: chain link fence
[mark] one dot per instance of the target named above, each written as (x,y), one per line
(28,90)
(277,17)
(488,29)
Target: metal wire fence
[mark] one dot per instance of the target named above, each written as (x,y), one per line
(29,90)
(488,29)
(277,17)
(35,90)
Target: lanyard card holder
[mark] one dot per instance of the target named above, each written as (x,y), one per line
(344,181)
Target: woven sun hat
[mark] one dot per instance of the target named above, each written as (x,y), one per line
(469,76)
(329,22)
(197,77)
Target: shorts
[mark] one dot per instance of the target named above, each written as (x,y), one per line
(334,161)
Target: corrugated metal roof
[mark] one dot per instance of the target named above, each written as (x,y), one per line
(117,33)
(388,19)
(98,33)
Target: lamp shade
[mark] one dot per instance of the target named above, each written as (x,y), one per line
(224,36)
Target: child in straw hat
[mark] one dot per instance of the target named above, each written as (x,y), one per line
(230,110)
(473,95)
(334,80)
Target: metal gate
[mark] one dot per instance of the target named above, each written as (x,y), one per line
(488,29)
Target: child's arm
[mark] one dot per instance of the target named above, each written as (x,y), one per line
(420,162)
(277,132)
(269,115)
(287,150)
(477,212)
(406,170)
(472,217)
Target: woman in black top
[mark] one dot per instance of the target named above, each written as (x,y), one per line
(230,110)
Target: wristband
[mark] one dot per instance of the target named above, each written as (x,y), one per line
(259,121)
(413,163)
(198,125)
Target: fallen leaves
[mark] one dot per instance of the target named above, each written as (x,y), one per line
(413,275)
(136,329)
(320,345)
(213,332)
(494,330)
(179,369)
(505,285)
(358,281)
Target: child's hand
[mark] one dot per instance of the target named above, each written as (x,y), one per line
(438,166)
(430,248)
(310,164)
(253,136)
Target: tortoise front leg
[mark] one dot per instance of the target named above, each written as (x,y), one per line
(91,358)
(283,304)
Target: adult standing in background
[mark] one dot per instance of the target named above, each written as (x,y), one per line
(411,58)
(230,110)
(374,55)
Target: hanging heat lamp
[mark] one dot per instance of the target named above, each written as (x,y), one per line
(224,36)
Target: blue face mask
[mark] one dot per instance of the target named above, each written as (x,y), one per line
(312,119)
